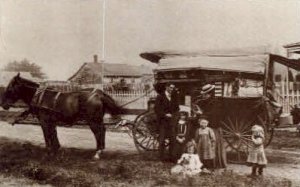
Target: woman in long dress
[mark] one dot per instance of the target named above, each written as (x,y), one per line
(205,107)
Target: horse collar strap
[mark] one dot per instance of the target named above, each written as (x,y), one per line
(39,97)
(93,94)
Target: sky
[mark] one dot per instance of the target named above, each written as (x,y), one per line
(60,35)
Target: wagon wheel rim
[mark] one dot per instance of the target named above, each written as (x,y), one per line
(268,129)
(144,139)
(236,133)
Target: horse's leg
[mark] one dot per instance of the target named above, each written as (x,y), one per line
(55,145)
(46,134)
(99,130)
(50,135)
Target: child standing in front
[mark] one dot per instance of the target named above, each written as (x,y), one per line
(182,129)
(206,144)
(257,158)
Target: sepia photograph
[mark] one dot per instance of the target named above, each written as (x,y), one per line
(143,93)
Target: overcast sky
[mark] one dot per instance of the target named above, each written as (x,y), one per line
(60,35)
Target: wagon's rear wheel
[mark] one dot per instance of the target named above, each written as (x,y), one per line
(145,132)
(237,134)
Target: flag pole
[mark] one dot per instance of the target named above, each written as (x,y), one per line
(103,43)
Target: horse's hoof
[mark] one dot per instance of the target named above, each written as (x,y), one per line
(96,157)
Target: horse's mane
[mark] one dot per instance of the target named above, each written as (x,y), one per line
(27,81)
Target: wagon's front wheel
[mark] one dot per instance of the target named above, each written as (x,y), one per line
(145,132)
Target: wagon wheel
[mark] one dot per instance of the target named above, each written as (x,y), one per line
(145,132)
(237,134)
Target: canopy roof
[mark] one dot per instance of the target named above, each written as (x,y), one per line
(250,64)
(248,60)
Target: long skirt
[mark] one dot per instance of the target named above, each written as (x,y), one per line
(220,160)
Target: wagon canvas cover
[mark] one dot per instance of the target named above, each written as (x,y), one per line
(248,60)
(250,64)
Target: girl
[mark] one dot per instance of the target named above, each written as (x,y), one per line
(205,140)
(257,158)
(189,163)
(181,135)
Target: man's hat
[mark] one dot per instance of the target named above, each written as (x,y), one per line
(207,88)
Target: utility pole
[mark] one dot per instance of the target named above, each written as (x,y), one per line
(103,43)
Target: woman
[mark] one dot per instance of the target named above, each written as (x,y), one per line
(205,104)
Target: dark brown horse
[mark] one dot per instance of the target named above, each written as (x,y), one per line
(52,107)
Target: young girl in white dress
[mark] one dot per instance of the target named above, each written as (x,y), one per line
(189,163)
(257,158)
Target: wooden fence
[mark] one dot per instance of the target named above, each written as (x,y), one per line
(287,94)
(132,99)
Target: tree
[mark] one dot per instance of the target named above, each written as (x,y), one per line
(26,66)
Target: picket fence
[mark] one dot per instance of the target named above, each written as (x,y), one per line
(132,99)
(287,94)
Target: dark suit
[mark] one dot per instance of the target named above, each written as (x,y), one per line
(162,107)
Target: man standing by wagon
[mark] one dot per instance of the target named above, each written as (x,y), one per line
(166,109)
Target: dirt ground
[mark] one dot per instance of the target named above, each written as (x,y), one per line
(284,163)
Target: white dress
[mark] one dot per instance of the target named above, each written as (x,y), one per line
(257,153)
(188,164)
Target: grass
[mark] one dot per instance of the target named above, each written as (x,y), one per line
(74,167)
(285,140)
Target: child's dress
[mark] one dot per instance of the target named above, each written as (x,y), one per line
(205,140)
(189,164)
(256,152)
(181,138)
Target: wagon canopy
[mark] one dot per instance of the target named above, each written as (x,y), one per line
(254,60)
(247,64)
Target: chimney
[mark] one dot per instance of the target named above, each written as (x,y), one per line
(95,59)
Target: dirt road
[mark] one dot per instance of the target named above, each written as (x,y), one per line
(84,139)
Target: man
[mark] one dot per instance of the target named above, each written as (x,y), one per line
(166,109)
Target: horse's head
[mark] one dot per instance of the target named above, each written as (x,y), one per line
(12,92)
(15,91)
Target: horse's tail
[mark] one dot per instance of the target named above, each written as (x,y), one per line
(111,105)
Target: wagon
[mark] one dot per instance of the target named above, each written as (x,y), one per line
(246,92)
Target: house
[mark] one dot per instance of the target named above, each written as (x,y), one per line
(123,76)
(293,50)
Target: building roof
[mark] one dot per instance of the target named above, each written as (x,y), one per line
(292,45)
(6,76)
(111,69)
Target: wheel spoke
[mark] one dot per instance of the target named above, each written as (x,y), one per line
(232,125)
(237,125)
(227,126)
(148,142)
(229,133)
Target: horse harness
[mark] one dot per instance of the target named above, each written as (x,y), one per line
(39,97)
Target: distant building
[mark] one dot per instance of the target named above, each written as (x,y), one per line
(115,76)
(293,50)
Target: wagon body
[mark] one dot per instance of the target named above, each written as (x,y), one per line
(245,83)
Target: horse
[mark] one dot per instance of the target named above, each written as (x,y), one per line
(52,107)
